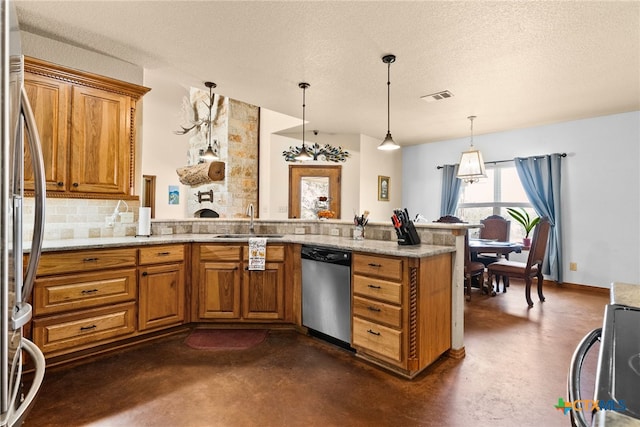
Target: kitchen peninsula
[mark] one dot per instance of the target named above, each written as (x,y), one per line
(96,295)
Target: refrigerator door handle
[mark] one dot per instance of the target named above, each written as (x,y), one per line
(15,417)
(21,316)
(575,369)
(40,194)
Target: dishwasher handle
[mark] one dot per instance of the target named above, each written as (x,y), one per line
(327,255)
(577,417)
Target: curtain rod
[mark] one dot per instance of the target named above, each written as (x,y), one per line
(511,160)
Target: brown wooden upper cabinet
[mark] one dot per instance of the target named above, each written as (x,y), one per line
(87,129)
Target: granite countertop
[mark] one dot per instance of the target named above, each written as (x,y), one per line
(371,246)
(625,294)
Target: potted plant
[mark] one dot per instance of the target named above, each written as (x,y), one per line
(522,216)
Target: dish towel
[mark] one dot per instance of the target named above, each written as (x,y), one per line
(257,253)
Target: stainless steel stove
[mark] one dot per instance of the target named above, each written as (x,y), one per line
(616,400)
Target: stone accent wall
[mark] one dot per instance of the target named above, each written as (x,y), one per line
(243,157)
(236,130)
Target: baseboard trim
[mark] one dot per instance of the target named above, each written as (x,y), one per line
(577,286)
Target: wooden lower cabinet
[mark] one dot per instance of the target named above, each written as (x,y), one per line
(401,310)
(218,290)
(227,290)
(263,292)
(83,299)
(161,296)
(60,334)
(161,287)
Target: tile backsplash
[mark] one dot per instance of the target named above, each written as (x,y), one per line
(80,218)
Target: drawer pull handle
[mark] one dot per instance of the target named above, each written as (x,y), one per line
(88,291)
(371,264)
(375,286)
(163,253)
(90,259)
(373,332)
(145,274)
(87,328)
(373,308)
(59,183)
(75,184)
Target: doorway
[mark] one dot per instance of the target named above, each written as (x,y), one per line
(309,185)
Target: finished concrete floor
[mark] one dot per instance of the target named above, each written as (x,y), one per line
(514,371)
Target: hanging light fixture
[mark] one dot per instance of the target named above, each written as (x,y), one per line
(209,155)
(303,155)
(313,151)
(388,144)
(471,167)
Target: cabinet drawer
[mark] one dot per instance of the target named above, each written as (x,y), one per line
(161,254)
(372,265)
(376,338)
(378,312)
(59,333)
(75,262)
(220,253)
(58,294)
(377,288)
(274,253)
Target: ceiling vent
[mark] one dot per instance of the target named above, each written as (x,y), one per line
(438,96)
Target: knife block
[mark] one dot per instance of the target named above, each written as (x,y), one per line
(408,235)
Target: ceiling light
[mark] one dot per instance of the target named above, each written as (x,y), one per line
(313,152)
(388,144)
(471,167)
(210,154)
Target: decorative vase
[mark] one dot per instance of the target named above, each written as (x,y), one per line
(358,232)
(526,242)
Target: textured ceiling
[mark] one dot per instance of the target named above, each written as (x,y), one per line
(513,64)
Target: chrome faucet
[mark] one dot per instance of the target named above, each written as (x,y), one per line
(250,213)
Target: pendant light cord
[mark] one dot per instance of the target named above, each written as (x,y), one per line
(471,119)
(388,96)
(304,91)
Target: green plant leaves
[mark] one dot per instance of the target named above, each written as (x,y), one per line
(522,216)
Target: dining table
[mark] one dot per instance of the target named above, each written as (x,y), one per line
(490,246)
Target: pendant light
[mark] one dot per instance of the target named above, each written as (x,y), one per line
(471,167)
(209,155)
(388,144)
(303,155)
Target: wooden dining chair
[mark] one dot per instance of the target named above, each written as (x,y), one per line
(495,228)
(473,270)
(527,271)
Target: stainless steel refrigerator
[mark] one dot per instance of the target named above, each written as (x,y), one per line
(18,128)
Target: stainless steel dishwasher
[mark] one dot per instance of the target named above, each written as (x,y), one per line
(326,293)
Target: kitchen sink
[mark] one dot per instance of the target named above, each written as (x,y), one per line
(246,236)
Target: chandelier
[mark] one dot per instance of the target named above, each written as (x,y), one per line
(206,123)
(313,151)
(471,167)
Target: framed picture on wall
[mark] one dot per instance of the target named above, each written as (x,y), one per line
(383,188)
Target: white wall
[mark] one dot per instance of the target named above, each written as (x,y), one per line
(600,187)
(163,151)
(80,59)
(374,162)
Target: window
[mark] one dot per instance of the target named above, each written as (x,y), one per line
(492,196)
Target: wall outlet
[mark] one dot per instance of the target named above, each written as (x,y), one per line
(283,209)
(573,266)
(299,230)
(334,232)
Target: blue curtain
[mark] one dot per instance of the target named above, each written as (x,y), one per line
(450,190)
(540,177)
